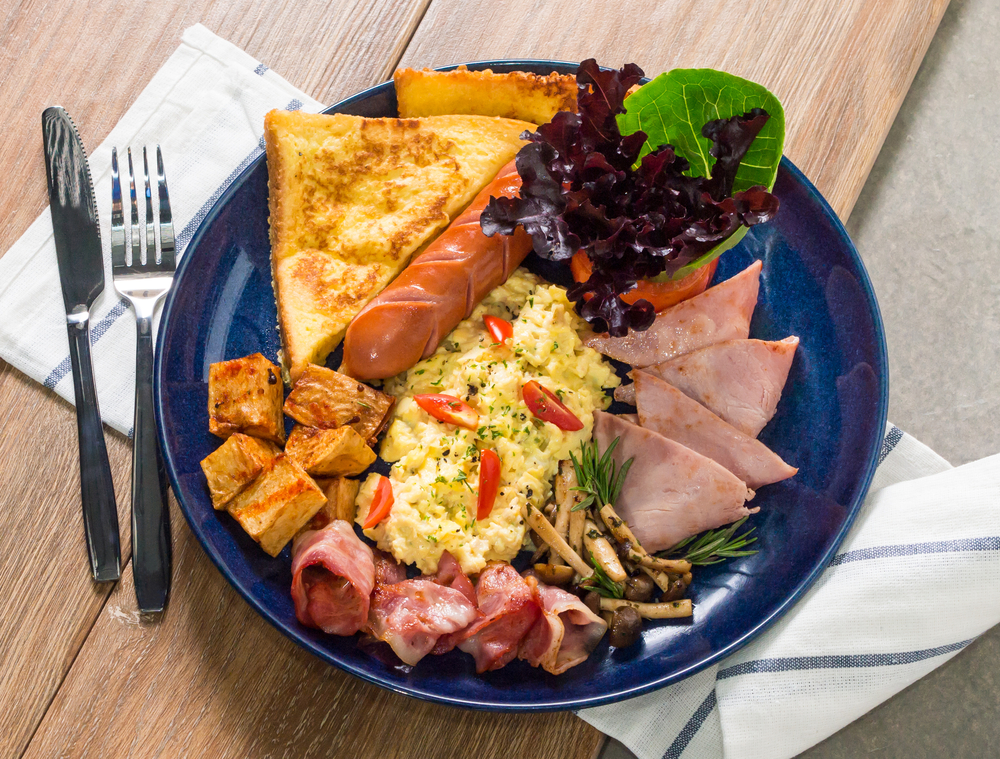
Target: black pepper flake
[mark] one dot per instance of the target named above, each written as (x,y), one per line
(446,451)
(473,389)
(530,492)
(271,379)
(354,419)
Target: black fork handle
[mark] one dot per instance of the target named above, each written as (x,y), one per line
(151,551)
(97,490)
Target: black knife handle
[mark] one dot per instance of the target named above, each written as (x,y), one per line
(97,490)
(151,550)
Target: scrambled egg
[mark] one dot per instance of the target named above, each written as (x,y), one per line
(435,472)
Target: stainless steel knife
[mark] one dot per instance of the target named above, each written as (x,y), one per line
(81,271)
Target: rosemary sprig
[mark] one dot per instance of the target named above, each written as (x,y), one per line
(713,546)
(601,584)
(597,475)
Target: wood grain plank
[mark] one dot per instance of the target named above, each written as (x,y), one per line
(94,58)
(840,67)
(211,678)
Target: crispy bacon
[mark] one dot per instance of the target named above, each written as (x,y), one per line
(412,615)
(333,574)
(507,603)
(564,635)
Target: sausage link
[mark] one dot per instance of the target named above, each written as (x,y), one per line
(408,320)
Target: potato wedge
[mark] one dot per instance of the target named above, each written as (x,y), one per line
(341,493)
(325,398)
(234,465)
(244,395)
(277,504)
(513,95)
(329,452)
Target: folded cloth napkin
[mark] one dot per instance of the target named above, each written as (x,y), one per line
(885,612)
(910,587)
(205,107)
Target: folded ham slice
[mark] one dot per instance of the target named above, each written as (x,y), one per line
(671,492)
(720,313)
(413,615)
(666,410)
(509,608)
(564,635)
(739,380)
(333,574)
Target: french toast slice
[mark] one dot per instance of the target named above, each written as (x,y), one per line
(353,199)
(513,95)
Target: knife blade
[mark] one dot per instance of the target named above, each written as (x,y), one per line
(81,272)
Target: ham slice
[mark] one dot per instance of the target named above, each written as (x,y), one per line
(333,574)
(564,635)
(671,492)
(509,608)
(412,616)
(738,380)
(720,313)
(666,410)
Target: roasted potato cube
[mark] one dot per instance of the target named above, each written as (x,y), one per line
(329,452)
(325,398)
(341,493)
(234,465)
(244,395)
(277,504)
(514,95)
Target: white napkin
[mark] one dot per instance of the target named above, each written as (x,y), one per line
(205,107)
(912,585)
(905,593)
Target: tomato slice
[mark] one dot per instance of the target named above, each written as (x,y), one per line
(448,408)
(489,482)
(544,404)
(661,294)
(499,329)
(381,503)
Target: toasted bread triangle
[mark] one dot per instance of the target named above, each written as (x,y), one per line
(353,199)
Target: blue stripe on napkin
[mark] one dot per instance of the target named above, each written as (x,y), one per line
(990,543)
(675,749)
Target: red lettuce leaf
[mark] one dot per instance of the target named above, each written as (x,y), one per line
(583,188)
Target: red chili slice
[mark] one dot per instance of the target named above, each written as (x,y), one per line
(448,408)
(544,404)
(489,482)
(500,329)
(381,503)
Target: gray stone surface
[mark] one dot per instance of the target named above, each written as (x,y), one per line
(927,225)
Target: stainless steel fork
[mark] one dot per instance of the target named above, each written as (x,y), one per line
(142,278)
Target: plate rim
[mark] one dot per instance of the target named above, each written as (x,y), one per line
(562,703)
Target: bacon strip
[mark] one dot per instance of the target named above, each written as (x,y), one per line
(565,634)
(333,574)
(413,615)
(507,603)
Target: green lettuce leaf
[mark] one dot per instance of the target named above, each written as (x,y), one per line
(672,109)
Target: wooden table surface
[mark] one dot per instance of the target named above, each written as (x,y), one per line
(81,674)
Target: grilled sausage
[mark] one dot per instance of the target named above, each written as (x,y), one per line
(442,285)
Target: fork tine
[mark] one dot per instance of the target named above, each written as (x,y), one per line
(150,235)
(134,225)
(166,220)
(117,218)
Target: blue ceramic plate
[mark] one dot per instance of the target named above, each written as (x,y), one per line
(829,423)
